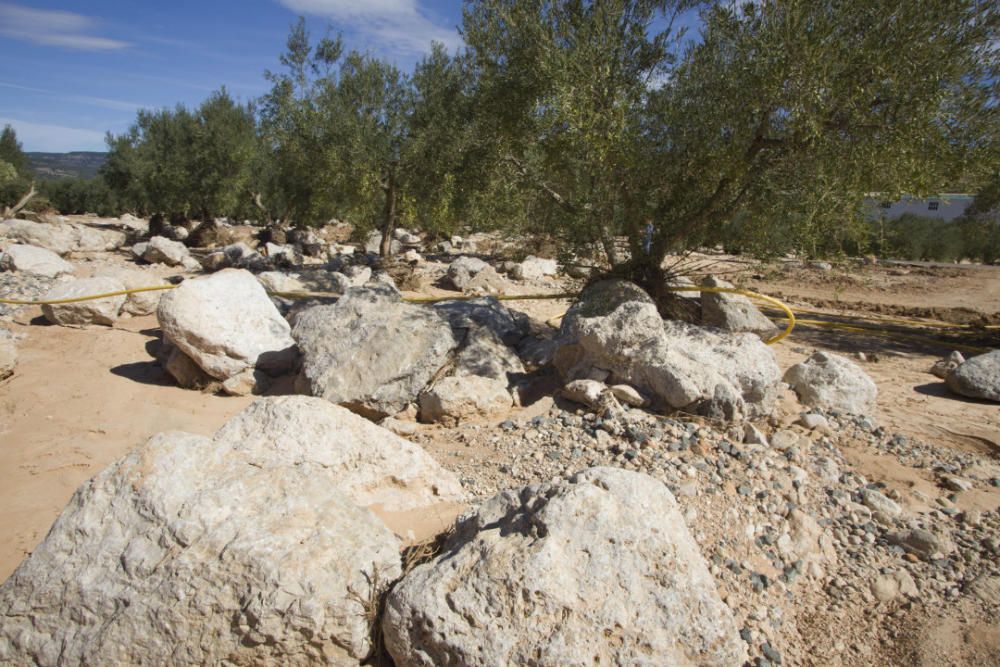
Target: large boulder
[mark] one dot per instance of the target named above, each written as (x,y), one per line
(34,261)
(137,303)
(733,312)
(832,382)
(460,397)
(615,327)
(371,465)
(189,552)
(978,377)
(81,313)
(226,323)
(371,352)
(62,238)
(599,569)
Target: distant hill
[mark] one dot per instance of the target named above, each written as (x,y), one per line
(79,164)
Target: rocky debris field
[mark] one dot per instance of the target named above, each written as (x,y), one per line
(628,489)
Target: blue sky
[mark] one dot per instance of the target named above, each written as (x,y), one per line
(71,71)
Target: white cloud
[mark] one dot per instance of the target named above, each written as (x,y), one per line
(54,138)
(395,26)
(53,28)
(103,102)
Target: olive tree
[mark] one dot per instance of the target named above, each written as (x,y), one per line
(780,114)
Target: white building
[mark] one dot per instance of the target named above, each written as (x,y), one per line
(945,206)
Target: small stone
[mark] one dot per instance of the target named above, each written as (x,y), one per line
(813,421)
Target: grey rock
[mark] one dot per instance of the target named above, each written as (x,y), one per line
(463,269)
(616,326)
(161,250)
(82,313)
(137,303)
(733,312)
(34,261)
(598,569)
(62,238)
(534,268)
(458,398)
(483,353)
(878,502)
(978,377)
(922,542)
(507,325)
(226,323)
(199,551)
(832,382)
(371,351)
(373,243)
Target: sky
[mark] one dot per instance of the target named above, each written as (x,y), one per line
(72,71)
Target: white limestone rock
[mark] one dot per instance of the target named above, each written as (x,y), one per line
(598,569)
(137,303)
(534,268)
(161,250)
(370,465)
(977,377)
(460,397)
(34,261)
(226,323)
(82,313)
(185,553)
(62,237)
(832,382)
(615,326)
(733,312)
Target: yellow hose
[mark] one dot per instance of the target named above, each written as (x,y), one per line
(790,316)
(91,297)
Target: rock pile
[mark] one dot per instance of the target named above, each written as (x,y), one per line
(615,330)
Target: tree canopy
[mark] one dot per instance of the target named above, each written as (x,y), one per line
(602,125)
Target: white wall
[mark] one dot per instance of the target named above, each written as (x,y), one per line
(949,207)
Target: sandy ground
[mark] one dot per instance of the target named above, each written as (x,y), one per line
(80,399)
